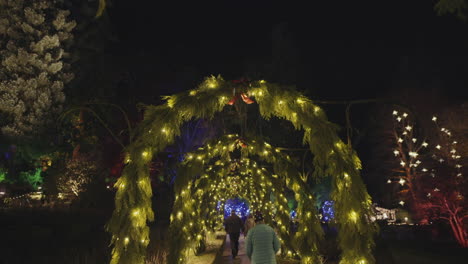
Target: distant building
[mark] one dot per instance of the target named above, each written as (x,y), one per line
(384,214)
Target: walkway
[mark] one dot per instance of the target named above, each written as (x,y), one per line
(241,257)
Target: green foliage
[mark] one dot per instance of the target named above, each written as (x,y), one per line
(32,178)
(101,8)
(161,126)
(2,175)
(456,7)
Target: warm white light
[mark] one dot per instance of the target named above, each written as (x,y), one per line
(402,181)
(396,152)
(414,140)
(395,112)
(399,119)
(400,140)
(438,147)
(413,154)
(434,118)
(405,114)
(424,144)
(402,163)
(402,203)
(408,128)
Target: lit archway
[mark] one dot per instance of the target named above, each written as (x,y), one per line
(161,126)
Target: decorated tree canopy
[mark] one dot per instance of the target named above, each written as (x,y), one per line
(208,175)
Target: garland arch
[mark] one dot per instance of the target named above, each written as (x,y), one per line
(161,126)
(213,165)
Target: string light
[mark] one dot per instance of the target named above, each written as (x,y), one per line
(402,181)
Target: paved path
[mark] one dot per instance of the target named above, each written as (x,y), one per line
(241,257)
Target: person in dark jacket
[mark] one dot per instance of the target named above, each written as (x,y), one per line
(234,225)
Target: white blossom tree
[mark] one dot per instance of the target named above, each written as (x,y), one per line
(34,37)
(431,176)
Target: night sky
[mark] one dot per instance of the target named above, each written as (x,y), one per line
(336,52)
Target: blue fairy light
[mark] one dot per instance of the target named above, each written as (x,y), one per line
(328,212)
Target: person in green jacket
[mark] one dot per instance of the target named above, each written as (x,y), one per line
(262,242)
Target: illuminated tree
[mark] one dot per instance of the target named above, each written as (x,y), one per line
(407,147)
(77,175)
(34,38)
(432,175)
(32,178)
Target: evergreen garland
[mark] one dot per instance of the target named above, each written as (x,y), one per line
(161,126)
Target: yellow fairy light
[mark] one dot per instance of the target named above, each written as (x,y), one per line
(280,102)
(362,261)
(353,216)
(136,212)
(126,240)
(145,154)
(211,83)
(193,92)
(316,109)
(179,215)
